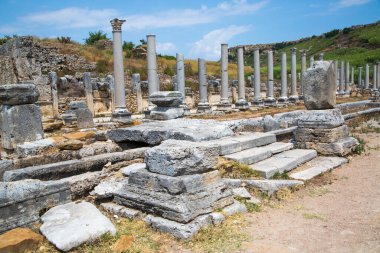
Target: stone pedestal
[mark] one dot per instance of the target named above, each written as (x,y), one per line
(167,105)
(78,115)
(324,131)
(20,118)
(178,185)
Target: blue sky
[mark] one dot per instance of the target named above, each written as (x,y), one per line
(195,28)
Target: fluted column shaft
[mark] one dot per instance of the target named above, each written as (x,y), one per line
(180,67)
(241,79)
(270,93)
(284,81)
(224,68)
(256,71)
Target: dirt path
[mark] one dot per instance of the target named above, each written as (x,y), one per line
(338,212)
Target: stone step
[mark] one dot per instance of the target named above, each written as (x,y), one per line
(244,141)
(316,167)
(254,155)
(283,162)
(55,171)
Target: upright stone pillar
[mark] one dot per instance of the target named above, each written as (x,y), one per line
(294,94)
(121,114)
(270,100)
(203,105)
(256,71)
(180,67)
(224,104)
(136,83)
(366,82)
(360,78)
(336,66)
(54,93)
(347,79)
(352,76)
(88,91)
(284,91)
(378,77)
(321,56)
(242,103)
(374,79)
(312,61)
(110,80)
(151,58)
(303,71)
(341,78)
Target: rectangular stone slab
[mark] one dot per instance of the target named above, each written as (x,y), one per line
(254,155)
(181,208)
(235,144)
(173,185)
(283,162)
(341,147)
(318,166)
(21,201)
(321,119)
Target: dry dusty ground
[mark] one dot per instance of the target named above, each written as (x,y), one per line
(337,212)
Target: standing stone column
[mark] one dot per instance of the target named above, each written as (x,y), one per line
(294,94)
(88,91)
(352,76)
(180,67)
(110,80)
(151,58)
(203,105)
(321,56)
(336,66)
(224,104)
(341,78)
(347,79)
(242,103)
(378,77)
(303,71)
(270,100)
(312,61)
(374,79)
(136,83)
(256,71)
(360,78)
(366,82)
(121,114)
(284,91)
(54,93)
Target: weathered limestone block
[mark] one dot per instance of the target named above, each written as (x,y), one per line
(166,113)
(320,135)
(341,147)
(21,201)
(179,230)
(172,185)
(176,158)
(324,119)
(84,118)
(166,98)
(18,94)
(4,166)
(107,188)
(20,240)
(68,226)
(320,86)
(19,124)
(7,74)
(34,148)
(82,184)
(182,208)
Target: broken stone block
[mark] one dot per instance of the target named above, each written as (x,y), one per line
(126,171)
(341,147)
(182,207)
(320,135)
(19,124)
(166,98)
(121,211)
(70,225)
(175,158)
(166,113)
(18,94)
(108,188)
(22,201)
(179,230)
(172,185)
(82,184)
(235,208)
(34,147)
(217,218)
(20,240)
(321,119)
(84,118)
(70,145)
(320,86)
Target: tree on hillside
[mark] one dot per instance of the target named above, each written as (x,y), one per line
(128,45)
(93,37)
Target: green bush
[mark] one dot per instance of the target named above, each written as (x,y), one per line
(95,36)
(64,40)
(332,33)
(169,71)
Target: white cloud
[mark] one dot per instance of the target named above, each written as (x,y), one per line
(187,17)
(166,47)
(209,46)
(348,3)
(72,17)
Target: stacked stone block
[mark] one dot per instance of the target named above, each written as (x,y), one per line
(20,118)
(168,105)
(78,115)
(179,184)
